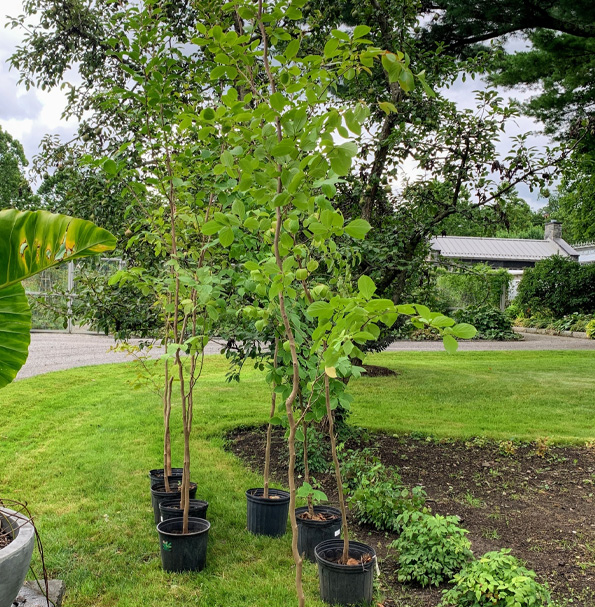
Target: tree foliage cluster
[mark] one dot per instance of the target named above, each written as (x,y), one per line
(453,175)
(557,286)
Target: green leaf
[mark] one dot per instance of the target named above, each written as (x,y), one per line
(361,30)
(340,162)
(442,321)
(464,331)
(330,48)
(15,328)
(358,228)
(208,114)
(319,308)
(450,344)
(278,101)
(423,311)
(406,81)
(110,167)
(387,107)
(284,148)
(251,223)
(226,236)
(366,286)
(292,48)
(350,148)
(211,227)
(227,159)
(32,241)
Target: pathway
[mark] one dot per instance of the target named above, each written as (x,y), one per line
(58,351)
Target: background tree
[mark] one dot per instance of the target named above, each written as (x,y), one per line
(15,191)
(420,160)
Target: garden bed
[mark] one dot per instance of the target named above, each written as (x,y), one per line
(537,500)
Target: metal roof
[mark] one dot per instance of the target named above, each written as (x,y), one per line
(505,249)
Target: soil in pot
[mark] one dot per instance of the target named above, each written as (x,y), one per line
(159,494)
(267,516)
(183,551)
(324,525)
(5,538)
(345,584)
(15,556)
(156,476)
(171,509)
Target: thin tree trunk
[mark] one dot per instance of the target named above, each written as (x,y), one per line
(327,398)
(292,345)
(267,453)
(306,467)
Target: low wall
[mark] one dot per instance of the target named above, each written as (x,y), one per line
(577,334)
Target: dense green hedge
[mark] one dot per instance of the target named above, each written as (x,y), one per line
(557,286)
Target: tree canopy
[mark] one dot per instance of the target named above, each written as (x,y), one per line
(15,191)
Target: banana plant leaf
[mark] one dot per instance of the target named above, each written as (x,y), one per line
(15,327)
(32,241)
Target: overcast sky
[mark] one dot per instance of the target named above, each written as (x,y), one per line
(29,115)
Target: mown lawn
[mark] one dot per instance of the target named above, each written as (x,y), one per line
(77,446)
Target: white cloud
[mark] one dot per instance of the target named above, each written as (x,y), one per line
(27,115)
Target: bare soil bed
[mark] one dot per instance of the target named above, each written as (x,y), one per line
(537,500)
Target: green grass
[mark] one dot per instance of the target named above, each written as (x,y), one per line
(77,446)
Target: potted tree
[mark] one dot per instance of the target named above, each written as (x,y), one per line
(30,241)
(267,508)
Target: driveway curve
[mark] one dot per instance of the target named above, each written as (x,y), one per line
(58,351)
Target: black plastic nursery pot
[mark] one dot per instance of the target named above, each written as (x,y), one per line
(183,551)
(312,532)
(170,508)
(156,476)
(159,494)
(267,516)
(345,584)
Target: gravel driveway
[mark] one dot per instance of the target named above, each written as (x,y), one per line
(58,351)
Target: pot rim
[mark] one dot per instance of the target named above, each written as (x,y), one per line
(202,522)
(26,532)
(251,495)
(160,488)
(169,503)
(319,508)
(338,544)
(158,470)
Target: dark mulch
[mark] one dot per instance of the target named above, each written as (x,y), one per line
(541,505)
(376,371)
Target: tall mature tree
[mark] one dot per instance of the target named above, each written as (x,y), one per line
(450,152)
(15,191)
(558,67)
(424,162)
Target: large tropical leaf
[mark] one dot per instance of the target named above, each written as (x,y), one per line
(15,327)
(31,241)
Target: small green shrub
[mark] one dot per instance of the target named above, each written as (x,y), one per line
(376,494)
(591,329)
(514,312)
(490,322)
(572,322)
(431,548)
(497,579)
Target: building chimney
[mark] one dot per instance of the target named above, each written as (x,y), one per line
(553,230)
